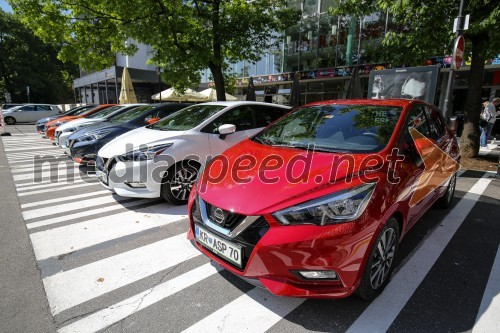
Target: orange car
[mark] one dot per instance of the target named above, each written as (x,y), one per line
(50,127)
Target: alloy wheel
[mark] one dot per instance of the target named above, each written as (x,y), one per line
(181,183)
(383,257)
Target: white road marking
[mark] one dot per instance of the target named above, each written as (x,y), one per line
(113,314)
(80,205)
(48,184)
(380,314)
(90,212)
(62,188)
(488,316)
(63,199)
(68,289)
(256,311)
(73,237)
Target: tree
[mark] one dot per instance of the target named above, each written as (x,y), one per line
(424,28)
(190,35)
(26,61)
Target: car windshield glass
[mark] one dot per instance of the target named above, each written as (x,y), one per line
(83,112)
(14,108)
(187,118)
(132,114)
(334,128)
(105,112)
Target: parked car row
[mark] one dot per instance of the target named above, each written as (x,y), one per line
(270,197)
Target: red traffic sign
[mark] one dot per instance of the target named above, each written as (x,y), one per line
(458,53)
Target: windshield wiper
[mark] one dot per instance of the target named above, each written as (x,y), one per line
(332,150)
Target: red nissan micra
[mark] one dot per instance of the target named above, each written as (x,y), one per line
(316,204)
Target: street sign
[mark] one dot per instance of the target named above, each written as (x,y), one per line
(458,53)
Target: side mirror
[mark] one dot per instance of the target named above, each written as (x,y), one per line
(453,124)
(152,121)
(226,129)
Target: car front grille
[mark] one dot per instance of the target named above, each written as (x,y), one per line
(248,238)
(223,218)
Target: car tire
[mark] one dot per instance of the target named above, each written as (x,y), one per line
(447,198)
(178,182)
(10,120)
(379,265)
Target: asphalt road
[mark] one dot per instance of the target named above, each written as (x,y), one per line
(76,258)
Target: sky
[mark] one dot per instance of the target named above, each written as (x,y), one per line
(5,6)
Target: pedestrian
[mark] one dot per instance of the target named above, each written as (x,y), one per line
(493,111)
(488,117)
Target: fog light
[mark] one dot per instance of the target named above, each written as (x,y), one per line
(136,185)
(319,275)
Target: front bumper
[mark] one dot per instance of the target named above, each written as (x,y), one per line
(281,251)
(122,176)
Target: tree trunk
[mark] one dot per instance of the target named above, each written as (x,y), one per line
(218,80)
(469,142)
(216,65)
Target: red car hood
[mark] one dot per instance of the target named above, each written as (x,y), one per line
(257,196)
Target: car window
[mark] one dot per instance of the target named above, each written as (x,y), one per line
(132,114)
(241,117)
(187,118)
(418,120)
(105,112)
(436,123)
(264,115)
(332,128)
(42,108)
(28,108)
(162,113)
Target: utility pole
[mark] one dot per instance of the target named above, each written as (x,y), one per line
(449,86)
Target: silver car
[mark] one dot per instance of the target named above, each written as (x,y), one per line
(29,113)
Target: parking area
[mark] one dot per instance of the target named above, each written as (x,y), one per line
(114,264)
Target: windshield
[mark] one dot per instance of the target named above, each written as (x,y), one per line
(132,114)
(105,112)
(83,112)
(187,118)
(335,128)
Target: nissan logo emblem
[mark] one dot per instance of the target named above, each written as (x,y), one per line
(218,215)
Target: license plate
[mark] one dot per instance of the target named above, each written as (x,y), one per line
(102,176)
(223,248)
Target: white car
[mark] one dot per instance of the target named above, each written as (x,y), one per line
(134,163)
(64,131)
(29,113)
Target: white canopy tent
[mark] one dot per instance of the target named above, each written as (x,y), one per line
(171,95)
(211,95)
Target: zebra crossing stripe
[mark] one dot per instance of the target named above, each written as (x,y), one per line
(489,311)
(77,236)
(73,287)
(86,213)
(61,188)
(80,205)
(48,184)
(380,314)
(261,311)
(64,199)
(113,314)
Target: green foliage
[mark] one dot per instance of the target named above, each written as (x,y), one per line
(420,29)
(27,61)
(189,35)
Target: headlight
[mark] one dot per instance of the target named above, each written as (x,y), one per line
(339,207)
(94,135)
(144,153)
